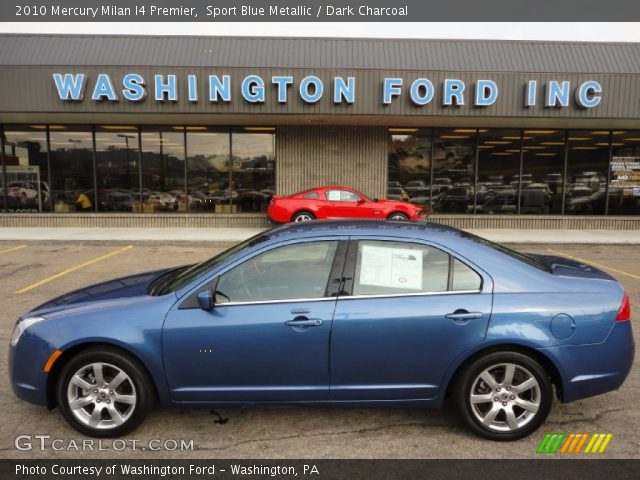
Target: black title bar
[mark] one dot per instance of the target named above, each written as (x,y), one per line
(318,11)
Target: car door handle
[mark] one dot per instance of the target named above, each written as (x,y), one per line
(304,322)
(463,315)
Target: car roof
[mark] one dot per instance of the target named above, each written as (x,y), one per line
(418,229)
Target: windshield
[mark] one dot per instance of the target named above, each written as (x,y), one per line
(523,257)
(182,277)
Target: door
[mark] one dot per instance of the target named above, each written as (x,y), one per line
(348,204)
(414,308)
(267,337)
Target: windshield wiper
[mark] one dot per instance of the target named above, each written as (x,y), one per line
(156,288)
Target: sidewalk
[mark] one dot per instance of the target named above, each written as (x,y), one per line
(234,235)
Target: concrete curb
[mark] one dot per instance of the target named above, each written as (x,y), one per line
(234,235)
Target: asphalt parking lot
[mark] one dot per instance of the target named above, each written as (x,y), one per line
(40,270)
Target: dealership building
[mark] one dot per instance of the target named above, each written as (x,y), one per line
(203,131)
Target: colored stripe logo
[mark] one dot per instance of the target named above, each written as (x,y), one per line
(574,443)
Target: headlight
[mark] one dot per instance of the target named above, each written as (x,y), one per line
(21,327)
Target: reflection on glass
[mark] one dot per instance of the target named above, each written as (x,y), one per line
(454,169)
(253,173)
(543,171)
(624,189)
(498,171)
(118,166)
(25,155)
(163,182)
(72,169)
(588,161)
(410,166)
(208,172)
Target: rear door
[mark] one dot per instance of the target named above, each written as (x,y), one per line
(413,309)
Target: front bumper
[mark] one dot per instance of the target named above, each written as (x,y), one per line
(589,370)
(26,363)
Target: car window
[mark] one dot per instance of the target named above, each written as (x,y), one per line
(289,272)
(464,278)
(311,195)
(397,267)
(341,196)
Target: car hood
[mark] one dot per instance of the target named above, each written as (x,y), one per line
(392,203)
(124,287)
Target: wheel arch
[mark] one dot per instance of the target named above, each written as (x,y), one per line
(68,354)
(546,362)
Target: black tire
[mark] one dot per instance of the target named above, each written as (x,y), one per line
(303,216)
(466,380)
(142,389)
(398,216)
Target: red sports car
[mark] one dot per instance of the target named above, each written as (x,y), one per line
(337,202)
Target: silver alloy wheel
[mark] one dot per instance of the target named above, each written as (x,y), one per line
(397,216)
(505,397)
(303,217)
(101,396)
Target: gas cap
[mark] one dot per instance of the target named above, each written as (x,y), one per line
(562,326)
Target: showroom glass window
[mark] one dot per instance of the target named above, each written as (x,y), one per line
(72,177)
(454,152)
(409,165)
(163,170)
(25,156)
(253,168)
(543,171)
(498,171)
(118,164)
(624,189)
(208,169)
(587,168)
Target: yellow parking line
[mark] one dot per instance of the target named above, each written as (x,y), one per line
(73,269)
(13,249)
(599,265)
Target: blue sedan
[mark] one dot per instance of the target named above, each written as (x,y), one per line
(355,313)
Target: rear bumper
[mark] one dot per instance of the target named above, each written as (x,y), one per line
(589,370)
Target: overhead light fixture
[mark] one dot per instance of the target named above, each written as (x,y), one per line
(195,128)
(585,148)
(470,130)
(613,144)
(606,132)
(540,132)
(535,147)
(502,154)
(497,142)
(514,151)
(454,137)
(545,154)
(578,139)
(551,143)
(118,127)
(516,138)
(259,129)
(486,146)
(403,130)
(633,139)
(51,127)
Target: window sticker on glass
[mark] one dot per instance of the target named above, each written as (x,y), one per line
(333,195)
(391,267)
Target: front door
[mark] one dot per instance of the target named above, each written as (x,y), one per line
(267,337)
(413,310)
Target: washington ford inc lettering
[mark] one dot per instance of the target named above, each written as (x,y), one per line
(133,87)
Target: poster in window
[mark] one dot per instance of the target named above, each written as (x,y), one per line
(391,267)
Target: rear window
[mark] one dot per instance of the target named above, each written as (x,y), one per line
(311,195)
(523,257)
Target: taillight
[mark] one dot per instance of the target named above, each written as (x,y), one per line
(625,309)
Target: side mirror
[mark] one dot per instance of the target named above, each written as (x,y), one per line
(360,201)
(376,199)
(205,300)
